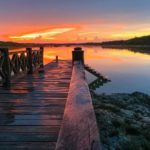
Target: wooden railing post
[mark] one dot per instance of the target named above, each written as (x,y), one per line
(41,69)
(6,67)
(78,55)
(56,58)
(29,60)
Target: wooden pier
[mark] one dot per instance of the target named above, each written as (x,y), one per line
(32,106)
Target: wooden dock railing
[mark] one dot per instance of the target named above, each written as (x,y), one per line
(79,129)
(12,63)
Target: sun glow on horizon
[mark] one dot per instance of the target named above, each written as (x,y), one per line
(80,33)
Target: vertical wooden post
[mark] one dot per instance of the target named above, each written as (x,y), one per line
(29,60)
(56,58)
(78,55)
(41,69)
(6,67)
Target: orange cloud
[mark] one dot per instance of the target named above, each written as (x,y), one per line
(44,35)
(88,33)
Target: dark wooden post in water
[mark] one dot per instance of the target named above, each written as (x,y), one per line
(6,67)
(79,129)
(30,61)
(56,58)
(78,55)
(41,69)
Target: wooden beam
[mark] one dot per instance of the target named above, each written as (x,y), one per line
(6,69)
(79,128)
(41,69)
(30,60)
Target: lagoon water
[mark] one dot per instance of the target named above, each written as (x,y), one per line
(129,71)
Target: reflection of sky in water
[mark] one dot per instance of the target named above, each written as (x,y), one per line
(128,71)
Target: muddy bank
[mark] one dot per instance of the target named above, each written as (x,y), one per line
(123,120)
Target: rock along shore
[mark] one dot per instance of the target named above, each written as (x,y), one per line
(123,120)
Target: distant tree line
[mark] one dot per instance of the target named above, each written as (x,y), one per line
(145,40)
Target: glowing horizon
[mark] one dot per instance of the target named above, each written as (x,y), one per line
(73,21)
(76,35)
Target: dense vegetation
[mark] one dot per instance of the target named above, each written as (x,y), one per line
(18,45)
(145,40)
(10,44)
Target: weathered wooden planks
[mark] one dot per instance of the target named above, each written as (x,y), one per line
(79,129)
(27,145)
(31,111)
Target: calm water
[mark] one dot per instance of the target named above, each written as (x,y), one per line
(128,71)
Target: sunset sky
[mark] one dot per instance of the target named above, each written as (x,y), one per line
(73,20)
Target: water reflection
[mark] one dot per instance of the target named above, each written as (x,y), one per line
(128,70)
